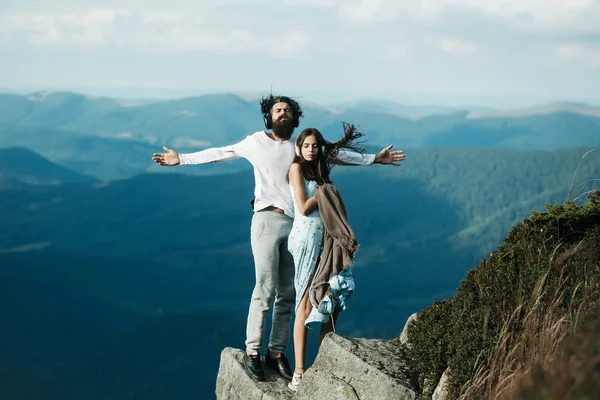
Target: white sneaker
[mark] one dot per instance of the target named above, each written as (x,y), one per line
(295,383)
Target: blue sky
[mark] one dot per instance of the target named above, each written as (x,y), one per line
(450,52)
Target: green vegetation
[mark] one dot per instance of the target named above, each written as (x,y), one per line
(25,166)
(489,189)
(546,274)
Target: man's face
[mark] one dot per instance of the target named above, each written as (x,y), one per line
(280,110)
(283,120)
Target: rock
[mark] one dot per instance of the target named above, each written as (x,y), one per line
(234,384)
(441,390)
(345,369)
(356,369)
(404,334)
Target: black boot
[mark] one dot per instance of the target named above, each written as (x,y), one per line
(254,367)
(280,365)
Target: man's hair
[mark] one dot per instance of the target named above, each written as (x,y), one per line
(266,107)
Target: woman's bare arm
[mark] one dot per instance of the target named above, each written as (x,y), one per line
(305,206)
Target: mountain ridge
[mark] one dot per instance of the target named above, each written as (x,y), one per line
(26,166)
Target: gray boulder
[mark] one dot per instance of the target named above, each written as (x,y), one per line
(441,390)
(345,369)
(356,369)
(404,334)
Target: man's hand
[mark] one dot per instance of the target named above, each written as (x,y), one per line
(170,158)
(386,156)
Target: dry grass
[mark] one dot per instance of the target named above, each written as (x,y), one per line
(533,357)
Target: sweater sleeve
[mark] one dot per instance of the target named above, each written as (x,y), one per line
(353,158)
(216,154)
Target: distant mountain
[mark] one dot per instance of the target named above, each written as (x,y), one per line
(118,288)
(98,157)
(219,119)
(226,117)
(389,107)
(160,359)
(113,139)
(157,269)
(463,198)
(7,183)
(546,132)
(60,315)
(561,107)
(25,166)
(53,109)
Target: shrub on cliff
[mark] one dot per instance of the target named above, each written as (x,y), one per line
(543,281)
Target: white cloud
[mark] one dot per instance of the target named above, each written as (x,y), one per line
(580,53)
(456,46)
(94,17)
(520,14)
(87,30)
(363,11)
(376,11)
(151,31)
(398,52)
(543,9)
(311,3)
(295,43)
(160,17)
(538,14)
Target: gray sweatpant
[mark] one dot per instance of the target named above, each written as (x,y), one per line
(274,268)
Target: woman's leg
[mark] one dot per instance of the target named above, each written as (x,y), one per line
(328,327)
(301,332)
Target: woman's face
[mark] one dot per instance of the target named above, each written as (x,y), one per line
(310,148)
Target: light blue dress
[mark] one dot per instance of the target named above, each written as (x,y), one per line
(305,242)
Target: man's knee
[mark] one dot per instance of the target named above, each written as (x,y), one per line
(286,285)
(264,294)
(286,294)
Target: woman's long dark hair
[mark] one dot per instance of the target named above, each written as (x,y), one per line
(319,169)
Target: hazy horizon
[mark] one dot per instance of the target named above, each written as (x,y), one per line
(324,98)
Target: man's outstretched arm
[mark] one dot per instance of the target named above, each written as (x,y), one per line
(385,156)
(208,156)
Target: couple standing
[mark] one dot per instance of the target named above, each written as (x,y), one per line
(280,168)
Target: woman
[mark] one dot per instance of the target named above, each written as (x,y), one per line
(308,174)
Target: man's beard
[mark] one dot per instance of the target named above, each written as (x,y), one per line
(283,128)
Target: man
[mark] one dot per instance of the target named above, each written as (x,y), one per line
(271,154)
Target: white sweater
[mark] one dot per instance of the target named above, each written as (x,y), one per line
(271,161)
